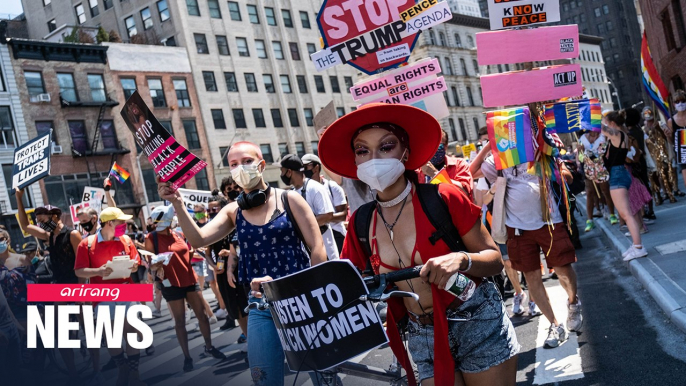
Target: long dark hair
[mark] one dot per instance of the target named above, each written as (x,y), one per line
(219,198)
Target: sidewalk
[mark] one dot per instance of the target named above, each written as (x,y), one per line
(663,272)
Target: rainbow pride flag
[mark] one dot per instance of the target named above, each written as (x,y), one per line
(573,115)
(509,132)
(119,173)
(652,81)
(441,178)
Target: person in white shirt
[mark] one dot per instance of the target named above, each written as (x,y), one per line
(313,170)
(316,195)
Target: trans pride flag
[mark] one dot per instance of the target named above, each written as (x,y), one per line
(652,81)
(119,173)
(509,132)
(570,116)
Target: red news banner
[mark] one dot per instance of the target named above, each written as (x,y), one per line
(171,161)
(89,293)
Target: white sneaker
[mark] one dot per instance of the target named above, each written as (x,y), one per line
(221,314)
(188,317)
(156,313)
(213,319)
(574,318)
(517,308)
(634,253)
(533,309)
(556,336)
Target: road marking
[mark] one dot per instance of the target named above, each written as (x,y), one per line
(562,363)
(677,246)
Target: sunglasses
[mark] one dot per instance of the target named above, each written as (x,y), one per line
(214,210)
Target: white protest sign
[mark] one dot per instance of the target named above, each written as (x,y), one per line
(508,14)
(31,161)
(193,197)
(74,210)
(95,196)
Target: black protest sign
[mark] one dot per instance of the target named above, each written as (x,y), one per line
(319,318)
(32,161)
(171,161)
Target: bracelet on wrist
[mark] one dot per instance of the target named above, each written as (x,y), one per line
(469,262)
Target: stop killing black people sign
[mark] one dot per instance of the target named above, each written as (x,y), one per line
(172,162)
(31,161)
(319,318)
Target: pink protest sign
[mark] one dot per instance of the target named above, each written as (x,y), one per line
(415,93)
(395,79)
(552,43)
(538,85)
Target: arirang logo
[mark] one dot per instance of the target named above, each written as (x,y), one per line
(564,78)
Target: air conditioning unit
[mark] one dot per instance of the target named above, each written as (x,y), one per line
(44,97)
(56,149)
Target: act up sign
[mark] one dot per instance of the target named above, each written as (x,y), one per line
(31,161)
(518,13)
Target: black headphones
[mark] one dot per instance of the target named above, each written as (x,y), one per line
(253,199)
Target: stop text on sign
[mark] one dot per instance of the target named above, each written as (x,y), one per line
(513,13)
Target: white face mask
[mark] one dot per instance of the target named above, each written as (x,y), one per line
(680,106)
(379,174)
(247,176)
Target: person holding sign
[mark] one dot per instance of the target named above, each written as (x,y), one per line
(284,220)
(383,145)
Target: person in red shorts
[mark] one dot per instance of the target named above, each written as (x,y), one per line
(92,255)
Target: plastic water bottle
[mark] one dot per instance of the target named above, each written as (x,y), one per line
(461,286)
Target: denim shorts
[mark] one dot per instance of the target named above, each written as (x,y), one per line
(619,178)
(485,339)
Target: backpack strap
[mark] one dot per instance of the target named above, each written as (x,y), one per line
(438,213)
(126,240)
(291,218)
(155,242)
(362,222)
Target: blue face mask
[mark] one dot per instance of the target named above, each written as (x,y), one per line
(3,246)
(439,158)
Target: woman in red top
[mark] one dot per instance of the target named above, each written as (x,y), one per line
(179,282)
(451,342)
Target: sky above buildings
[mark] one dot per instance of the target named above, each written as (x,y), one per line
(12,7)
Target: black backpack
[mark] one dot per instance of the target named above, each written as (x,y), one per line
(435,209)
(44,271)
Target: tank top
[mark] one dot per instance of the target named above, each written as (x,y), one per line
(271,249)
(616,156)
(62,257)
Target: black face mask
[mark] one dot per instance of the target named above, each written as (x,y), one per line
(212,215)
(233,194)
(88,226)
(48,226)
(309,173)
(286,179)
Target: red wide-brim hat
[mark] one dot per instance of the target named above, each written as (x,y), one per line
(423,131)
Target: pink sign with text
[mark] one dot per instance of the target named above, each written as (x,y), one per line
(551,43)
(396,79)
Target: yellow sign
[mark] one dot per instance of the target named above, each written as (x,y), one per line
(28,214)
(467,150)
(417,9)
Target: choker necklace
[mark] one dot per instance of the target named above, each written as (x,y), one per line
(402,196)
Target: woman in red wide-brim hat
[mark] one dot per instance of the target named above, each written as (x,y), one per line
(451,342)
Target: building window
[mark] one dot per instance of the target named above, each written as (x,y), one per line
(293,117)
(157,93)
(268,83)
(348,83)
(242,45)
(34,82)
(271,17)
(201,180)
(80,13)
(193,8)
(432,37)
(470,97)
(335,87)
(608,25)
(191,134)
(305,19)
(239,118)
(234,11)
(285,84)
(287,20)
(163,10)
(448,66)
(130,26)
(215,12)
(311,49)
(453,131)
(183,98)
(260,49)
(224,151)
(278,49)
(250,82)
(300,149)
(464,67)
(441,37)
(315,147)
(168,126)
(266,150)
(667,30)
(319,83)
(42,127)
(340,111)
(79,139)
(63,188)
(463,130)
(470,41)
(109,135)
(52,25)
(146,16)
(222,45)
(97,86)
(679,18)
(67,87)
(170,42)
(309,117)
(93,4)
(201,44)
(302,83)
(258,116)
(456,97)
(210,83)
(252,14)
(231,83)
(283,149)
(218,118)
(476,125)
(606,9)
(7,129)
(295,52)
(476,66)
(276,118)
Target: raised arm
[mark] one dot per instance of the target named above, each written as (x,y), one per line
(33,230)
(475,166)
(110,200)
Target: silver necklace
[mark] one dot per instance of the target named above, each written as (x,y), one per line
(397,200)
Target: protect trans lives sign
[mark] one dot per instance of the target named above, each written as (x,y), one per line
(32,161)
(518,13)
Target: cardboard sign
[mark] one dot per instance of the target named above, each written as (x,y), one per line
(540,84)
(32,161)
(566,117)
(30,216)
(74,210)
(518,13)
(509,132)
(171,161)
(319,318)
(193,197)
(325,116)
(467,150)
(417,9)
(680,146)
(352,33)
(552,43)
(395,81)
